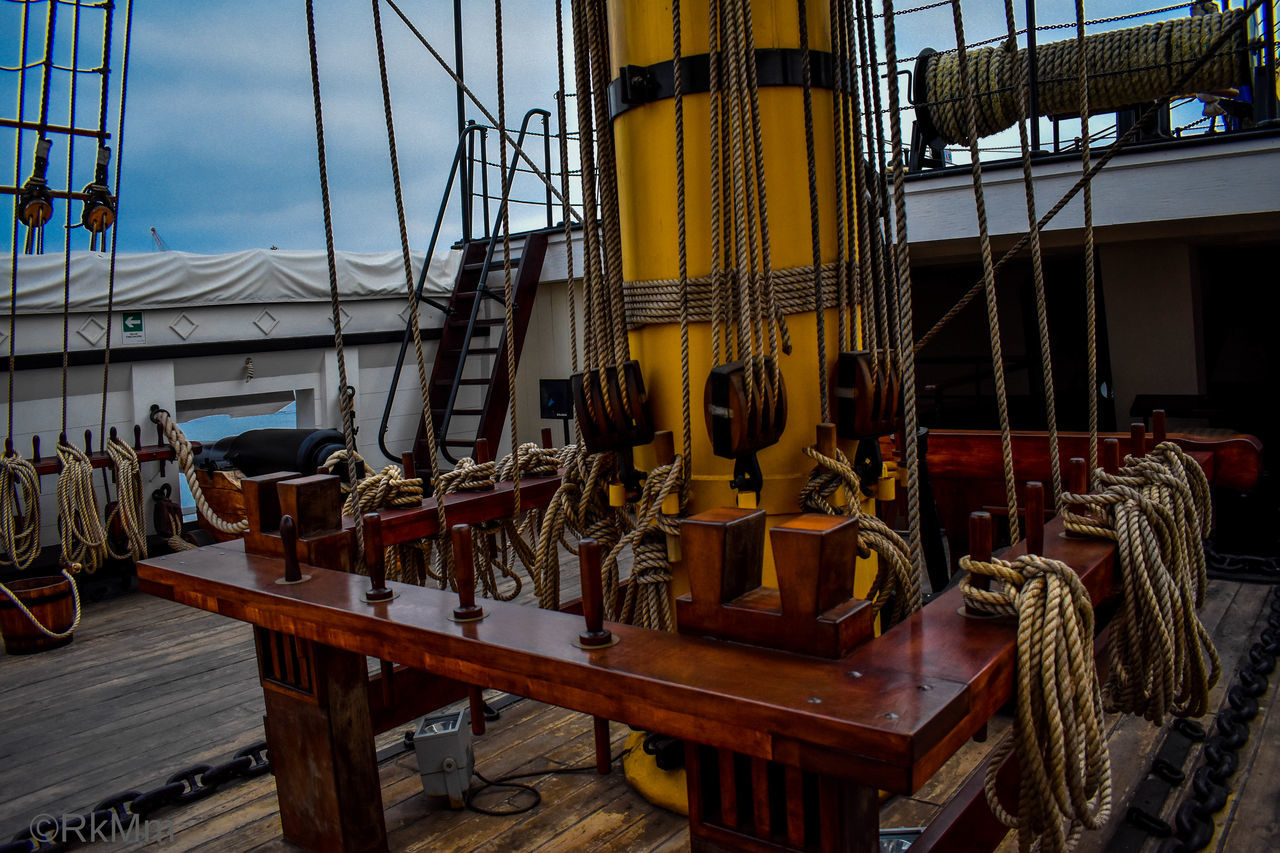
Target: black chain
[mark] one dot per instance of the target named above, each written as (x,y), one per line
(186,786)
(1193,823)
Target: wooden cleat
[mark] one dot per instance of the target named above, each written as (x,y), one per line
(596,636)
(464,576)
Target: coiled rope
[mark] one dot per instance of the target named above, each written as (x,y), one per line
(896,580)
(1157,509)
(19,499)
(186,464)
(84,541)
(1141,63)
(1058,733)
(128,508)
(580,505)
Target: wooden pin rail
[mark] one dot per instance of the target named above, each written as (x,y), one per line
(45,465)
(886,715)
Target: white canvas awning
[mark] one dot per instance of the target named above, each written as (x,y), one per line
(172,279)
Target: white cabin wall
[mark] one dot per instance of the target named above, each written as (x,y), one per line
(545,356)
(1151,291)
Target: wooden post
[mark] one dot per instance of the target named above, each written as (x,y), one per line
(320,736)
(464,576)
(289,538)
(1078,476)
(604,758)
(596,636)
(1035,518)
(481,452)
(1137,440)
(980,537)
(407,464)
(1159,427)
(374,560)
(547,441)
(467,609)
(1110,455)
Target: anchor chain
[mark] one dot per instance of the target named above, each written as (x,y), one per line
(186,786)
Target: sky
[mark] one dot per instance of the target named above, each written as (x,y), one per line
(219,139)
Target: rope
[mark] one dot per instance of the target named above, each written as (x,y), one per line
(1090,285)
(659,300)
(648,599)
(346,392)
(53,635)
(896,581)
(815,234)
(187,465)
(1059,736)
(988,279)
(1141,63)
(682,244)
(387,488)
(906,352)
(79,522)
(128,508)
(19,498)
(1037,266)
(424,377)
(1157,509)
(580,505)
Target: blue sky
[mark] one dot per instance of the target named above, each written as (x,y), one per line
(219,149)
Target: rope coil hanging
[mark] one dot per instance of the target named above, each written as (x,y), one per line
(1157,509)
(19,499)
(1059,733)
(128,505)
(84,541)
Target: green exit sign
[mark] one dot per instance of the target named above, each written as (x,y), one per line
(132,328)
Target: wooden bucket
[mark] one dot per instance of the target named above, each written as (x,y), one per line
(50,599)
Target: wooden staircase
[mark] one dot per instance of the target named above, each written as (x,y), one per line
(470,387)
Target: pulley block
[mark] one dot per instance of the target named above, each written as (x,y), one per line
(99,212)
(868,395)
(740,424)
(35,200)
(613,415)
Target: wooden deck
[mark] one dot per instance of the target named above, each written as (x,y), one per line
(150,687)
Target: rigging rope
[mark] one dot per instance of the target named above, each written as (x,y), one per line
(988,279)
(902,266)
(896,580)
(346,392)
(187,465)
(1059,734)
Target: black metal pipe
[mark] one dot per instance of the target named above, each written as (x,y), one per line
(546,162)
(1033,78)
(462,108)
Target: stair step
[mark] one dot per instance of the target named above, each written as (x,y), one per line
(458,442)
(483,351)
(494,266)
(474,413)
(446,383)
(488,322)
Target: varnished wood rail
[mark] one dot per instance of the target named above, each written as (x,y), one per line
(885,716)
